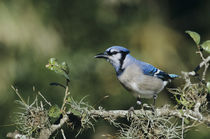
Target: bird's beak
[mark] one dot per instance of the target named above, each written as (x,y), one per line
(101,55)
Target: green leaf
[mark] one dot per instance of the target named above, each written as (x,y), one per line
(75,112)
(54,111)
(62,68)
(208,86)
(195,36)
(65,67)
(206,46)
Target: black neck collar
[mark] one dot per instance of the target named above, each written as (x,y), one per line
(120,70)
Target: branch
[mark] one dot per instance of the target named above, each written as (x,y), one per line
(17,135)
(203,63)
(47,132)
(164,111)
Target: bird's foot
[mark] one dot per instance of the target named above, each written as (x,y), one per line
(138,102)
(131,109)
(149,107)
(154,112)
(130,113)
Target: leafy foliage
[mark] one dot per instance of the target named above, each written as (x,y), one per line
(208,86)
(206,46)
(62,68)
(54,111)
(195,36)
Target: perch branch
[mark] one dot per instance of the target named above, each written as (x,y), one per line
(164,111)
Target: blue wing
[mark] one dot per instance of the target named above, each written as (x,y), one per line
(152,71)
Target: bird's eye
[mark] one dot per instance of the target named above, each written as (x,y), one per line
(114,52)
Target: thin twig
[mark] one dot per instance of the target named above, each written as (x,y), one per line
(62,132)
(182,128)
(44,99)
(65,98)
(16,91)
(205,70)
(201,54)
(204,62)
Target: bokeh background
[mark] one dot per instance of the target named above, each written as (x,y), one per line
(32,31)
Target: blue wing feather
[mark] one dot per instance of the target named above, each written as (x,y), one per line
(173,75)
(152,71)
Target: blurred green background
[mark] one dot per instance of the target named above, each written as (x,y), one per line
(32,31)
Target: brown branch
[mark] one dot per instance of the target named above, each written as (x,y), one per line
(194,115)
(47,132)
(164,111)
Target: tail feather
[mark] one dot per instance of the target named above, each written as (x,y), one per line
(173,76)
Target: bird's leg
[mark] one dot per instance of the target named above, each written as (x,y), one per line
(154,101)
(131,109)
(138,103)
(138,100)
(130,113)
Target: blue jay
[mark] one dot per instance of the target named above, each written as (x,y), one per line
(141,78)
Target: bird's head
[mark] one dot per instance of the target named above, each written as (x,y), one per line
(115,55)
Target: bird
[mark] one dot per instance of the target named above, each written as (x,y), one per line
(141,78)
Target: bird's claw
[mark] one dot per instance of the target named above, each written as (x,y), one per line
(130,113)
